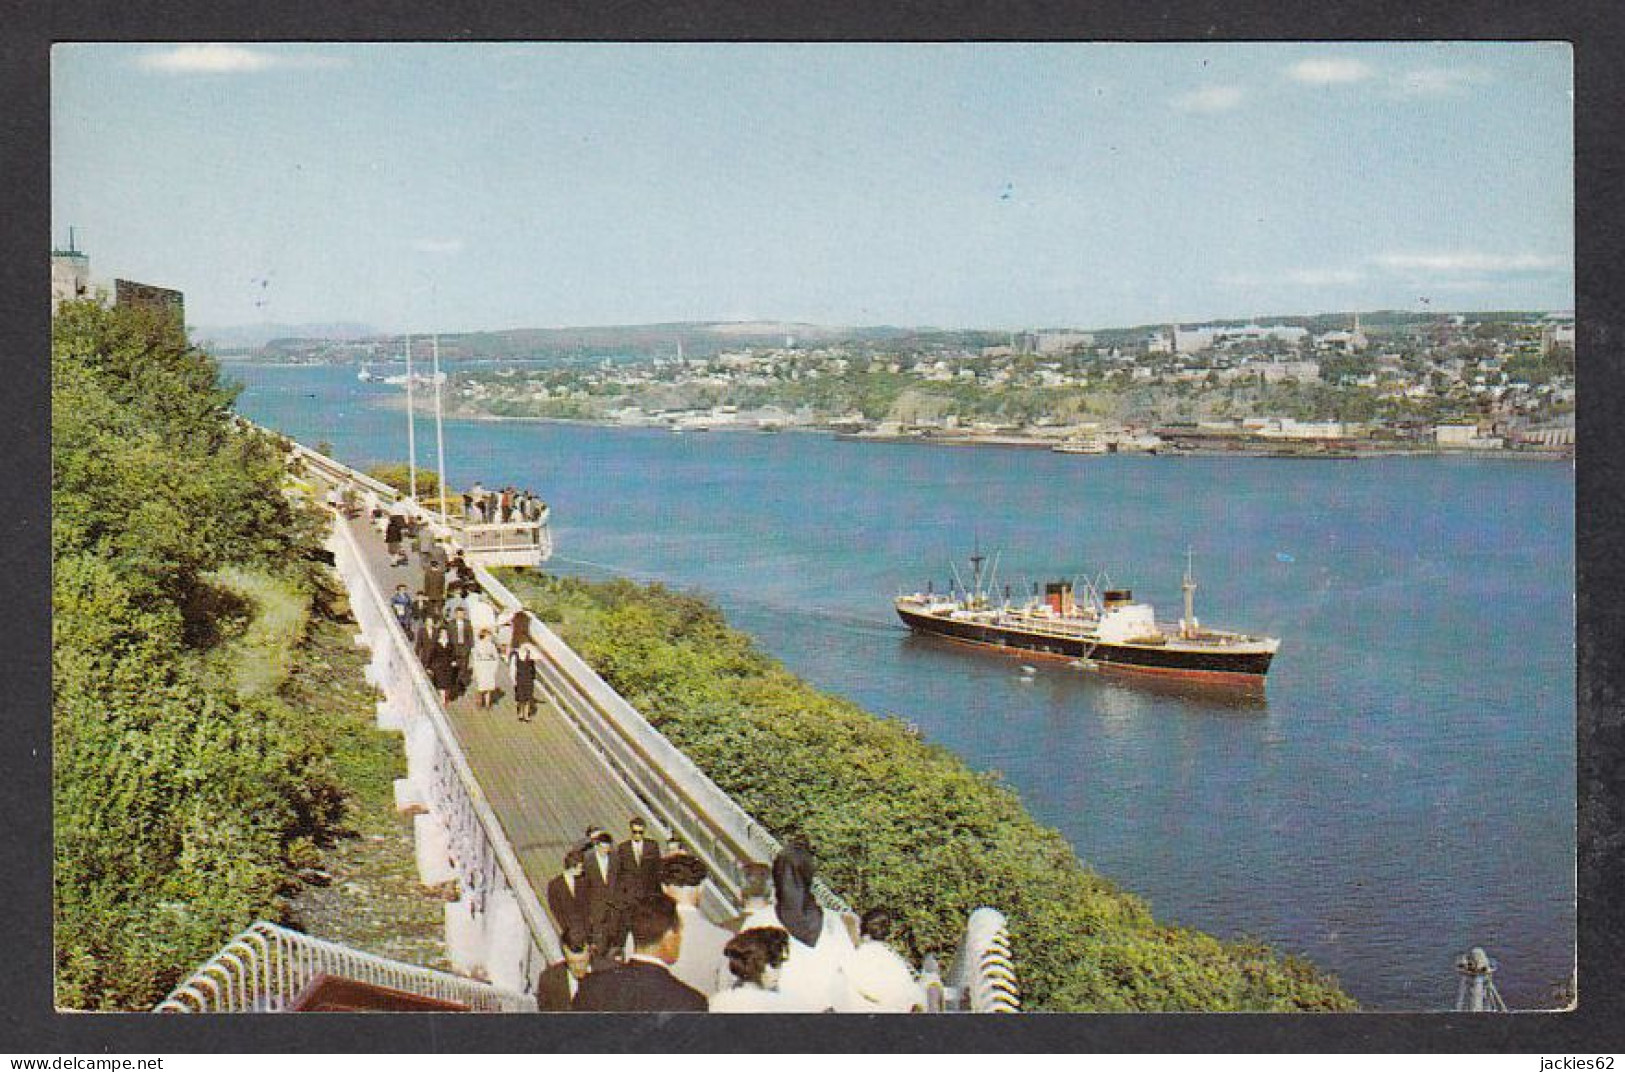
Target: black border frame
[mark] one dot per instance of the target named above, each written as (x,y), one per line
(28,1023)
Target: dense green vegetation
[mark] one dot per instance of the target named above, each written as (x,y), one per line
(190,788)
(900,822)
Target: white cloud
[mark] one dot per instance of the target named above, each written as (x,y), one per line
(215,58)
(1210,99)
(1436,81)
(1325,277)
(1301,277)
(438,245)
(1329,70)
(1469,261)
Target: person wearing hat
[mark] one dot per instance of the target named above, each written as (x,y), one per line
(602,884)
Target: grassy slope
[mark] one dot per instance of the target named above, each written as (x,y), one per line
(361,886)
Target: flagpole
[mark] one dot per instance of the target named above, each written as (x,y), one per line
(439,431)
(411,427)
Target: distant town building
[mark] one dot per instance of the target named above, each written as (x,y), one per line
(1464,437)
(70,274)
(1059,342)
(1556,329)
(130,294)
(1195,340)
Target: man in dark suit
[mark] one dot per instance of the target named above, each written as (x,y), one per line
(600,882)
(462,645)
(640,864)
(644,983)
(567,896)
(559,983)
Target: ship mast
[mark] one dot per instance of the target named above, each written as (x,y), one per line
(1187,624)
(976,561)
(439,431)
(411,428)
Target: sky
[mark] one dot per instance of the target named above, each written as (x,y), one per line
(455,187)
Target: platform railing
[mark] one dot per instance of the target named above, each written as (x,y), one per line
(685,801)
(679,796)
(267,967)
(982,977)
(483,860)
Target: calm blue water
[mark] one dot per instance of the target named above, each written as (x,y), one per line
(1405,792)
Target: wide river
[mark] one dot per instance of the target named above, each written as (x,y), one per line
(1405,792)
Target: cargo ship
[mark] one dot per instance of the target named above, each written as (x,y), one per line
(1101,628)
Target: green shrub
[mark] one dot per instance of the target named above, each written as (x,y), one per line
(181,807)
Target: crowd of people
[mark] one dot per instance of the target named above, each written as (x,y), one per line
(633,935)
(635,939)
(504,505)
(460,635)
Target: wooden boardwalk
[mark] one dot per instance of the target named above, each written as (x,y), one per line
(544,782)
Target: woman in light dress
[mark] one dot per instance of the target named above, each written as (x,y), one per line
(754,957)
(484,660)
(813,978)
(877,978)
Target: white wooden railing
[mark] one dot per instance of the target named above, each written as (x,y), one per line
(267,967)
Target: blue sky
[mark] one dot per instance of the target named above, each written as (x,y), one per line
(457,187)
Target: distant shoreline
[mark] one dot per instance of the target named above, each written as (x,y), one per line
(1016,442)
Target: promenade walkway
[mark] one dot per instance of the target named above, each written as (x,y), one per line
(545,784)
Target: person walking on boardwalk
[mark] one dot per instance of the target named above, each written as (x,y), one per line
(522,671)
(567,895)
(754,959)
(640,862)
(484,661)
(434,583)
(442,666)
(425,627)
(401,604)
(394,531)
(645,982)
(462,646)
(601,880)
(701,964)
(559,983)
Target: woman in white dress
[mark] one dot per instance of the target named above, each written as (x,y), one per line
(754,957)
(484,660)
(814,974)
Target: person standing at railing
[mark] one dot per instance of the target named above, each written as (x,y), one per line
(877,978)
(820,947)
(645,982)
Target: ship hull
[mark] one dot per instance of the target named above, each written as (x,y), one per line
(1214,666)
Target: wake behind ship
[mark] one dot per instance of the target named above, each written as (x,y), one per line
(1108,630)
